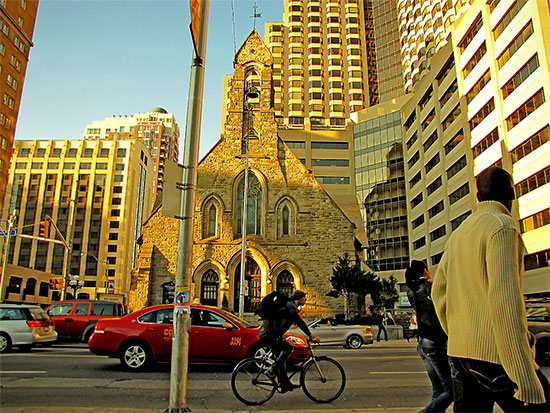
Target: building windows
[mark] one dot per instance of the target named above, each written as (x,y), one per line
(520,76)
(426,98)
(535,221)
(508,17)
(478,55)
(526,109)
(485,143)
(434,186)
(415,179)
(121,153)
(482,114)
(436,258)
(537,260)
(414,159)
(333,180)
(531,144)
(329,145)
(535,181)
(470,34)
(412,140)
(430,141)
(416,200)
(418,221)
(480,84)
(448,93)
(456,167)
(432,163)
(515,44)
(419,243)
(436,209)
(451,117)
(330,162)
(254,206)
(459,193)
(438,233)
(454,142)
(12,82)
(426,122)
(455,223)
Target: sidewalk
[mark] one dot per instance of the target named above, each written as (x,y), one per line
(51,409)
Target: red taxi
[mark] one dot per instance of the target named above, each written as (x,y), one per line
(145,336)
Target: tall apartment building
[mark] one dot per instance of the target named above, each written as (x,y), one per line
(17,19)
(157,129)
(502,72)
(425,27)
(107,184)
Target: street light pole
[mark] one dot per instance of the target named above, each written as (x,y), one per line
(243,231)
(11,223)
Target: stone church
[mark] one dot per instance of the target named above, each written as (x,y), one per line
(295,231)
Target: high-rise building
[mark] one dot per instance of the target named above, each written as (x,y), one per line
(17,19)
(424,27)
(106,186)
(483,103)
(157,129)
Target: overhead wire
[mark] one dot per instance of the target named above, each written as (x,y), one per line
(234,34)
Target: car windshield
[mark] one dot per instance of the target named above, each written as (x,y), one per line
(38,314)
(240,320)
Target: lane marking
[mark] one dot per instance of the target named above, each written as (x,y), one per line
(24,372)
(397,372)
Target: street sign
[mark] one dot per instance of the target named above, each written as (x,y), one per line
(4,233)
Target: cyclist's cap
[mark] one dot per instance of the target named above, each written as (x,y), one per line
(296,295)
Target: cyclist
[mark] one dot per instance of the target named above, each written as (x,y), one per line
(271,334)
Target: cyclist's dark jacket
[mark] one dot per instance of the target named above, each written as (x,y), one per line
(428,324)
(277,326)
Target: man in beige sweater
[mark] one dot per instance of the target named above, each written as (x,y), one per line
(478,296)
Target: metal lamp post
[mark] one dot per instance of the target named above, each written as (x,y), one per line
(105,277)
(250,93)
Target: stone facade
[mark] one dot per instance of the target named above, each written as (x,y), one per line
(295,230)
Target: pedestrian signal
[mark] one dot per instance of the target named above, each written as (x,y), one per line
(45,228)
(56,283)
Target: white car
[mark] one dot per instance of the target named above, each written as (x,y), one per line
(349,336)
(24,326)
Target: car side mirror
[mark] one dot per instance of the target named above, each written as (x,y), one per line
(227,325)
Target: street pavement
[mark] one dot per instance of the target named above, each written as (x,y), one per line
(382,344)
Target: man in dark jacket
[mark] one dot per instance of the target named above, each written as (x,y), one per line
(271,334)
(432,340)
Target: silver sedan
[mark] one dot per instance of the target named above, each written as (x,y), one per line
(349,336)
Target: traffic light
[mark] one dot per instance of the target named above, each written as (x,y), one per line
(45,228)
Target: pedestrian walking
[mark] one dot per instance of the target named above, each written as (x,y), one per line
(381,320)
(432,340)
(477,293)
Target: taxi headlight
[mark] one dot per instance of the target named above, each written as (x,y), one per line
(296,340)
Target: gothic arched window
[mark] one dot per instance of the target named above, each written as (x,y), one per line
(211,221)
(286,220)
(209,288)
(285,283)
(253,207)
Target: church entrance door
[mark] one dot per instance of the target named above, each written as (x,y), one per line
(252,286)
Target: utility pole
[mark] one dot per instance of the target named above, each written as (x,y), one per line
(182,306)
(11,223)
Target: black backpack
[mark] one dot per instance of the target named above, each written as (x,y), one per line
(271,305)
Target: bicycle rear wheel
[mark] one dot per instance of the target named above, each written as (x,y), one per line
(250,384)
(323,379)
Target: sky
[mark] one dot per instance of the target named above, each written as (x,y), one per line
(93,59)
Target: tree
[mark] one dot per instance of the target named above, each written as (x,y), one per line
(388,294)
(347,279)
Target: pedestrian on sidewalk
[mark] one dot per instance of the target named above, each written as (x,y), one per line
(413,327)
(478,296)
(381,320)
(432,340)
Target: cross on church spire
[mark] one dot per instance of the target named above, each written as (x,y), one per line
(255,14)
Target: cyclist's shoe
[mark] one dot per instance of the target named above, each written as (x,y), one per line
(288,387)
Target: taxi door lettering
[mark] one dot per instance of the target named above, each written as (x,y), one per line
(168,333)
(235,341)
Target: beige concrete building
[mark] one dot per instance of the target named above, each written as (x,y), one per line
(107,185)
(157,129)
(295,231)
(483,103)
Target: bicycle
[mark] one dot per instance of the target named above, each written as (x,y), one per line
(321,378)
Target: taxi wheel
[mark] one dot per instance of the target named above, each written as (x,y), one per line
(354,341)
(5,343)
(136,356)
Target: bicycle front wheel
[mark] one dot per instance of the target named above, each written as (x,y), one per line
(250,384)
(323,379)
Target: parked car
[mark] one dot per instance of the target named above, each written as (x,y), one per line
(76,319)
(349,336)
(145,336)
(24,326)
(538,321)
